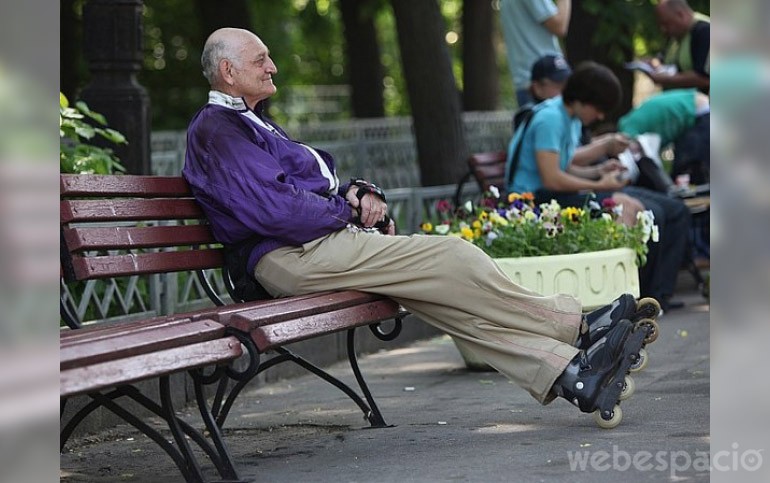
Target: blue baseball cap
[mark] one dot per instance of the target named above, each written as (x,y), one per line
(552,67)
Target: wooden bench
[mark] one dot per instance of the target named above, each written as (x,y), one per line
(488,168)
(121,226)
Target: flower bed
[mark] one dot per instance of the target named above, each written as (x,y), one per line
(516,227)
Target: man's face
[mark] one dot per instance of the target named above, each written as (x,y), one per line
(546,88)
(588,114)
(672,22)
(253,74)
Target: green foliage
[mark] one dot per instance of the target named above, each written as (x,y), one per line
(75,154)
(518,228)
(171,72)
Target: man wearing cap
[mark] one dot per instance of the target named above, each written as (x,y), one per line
(549,76)
(532,29)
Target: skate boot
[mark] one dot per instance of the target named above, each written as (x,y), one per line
(596,380)
(598,322)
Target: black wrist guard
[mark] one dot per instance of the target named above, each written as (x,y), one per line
(365,187)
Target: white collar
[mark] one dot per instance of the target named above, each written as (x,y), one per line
(221,99)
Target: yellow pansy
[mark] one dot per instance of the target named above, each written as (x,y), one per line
(467,233)
(571,213)
(426,227)
(495,218)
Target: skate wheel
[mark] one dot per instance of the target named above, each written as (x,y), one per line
(647,308)
(641,362)
(614,420)
(629,387)
(652,333)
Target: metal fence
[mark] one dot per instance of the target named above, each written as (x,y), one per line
(382,149)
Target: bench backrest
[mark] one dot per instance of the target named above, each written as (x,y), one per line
(489,169)
(115,226)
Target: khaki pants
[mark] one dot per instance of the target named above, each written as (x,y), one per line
(450,284)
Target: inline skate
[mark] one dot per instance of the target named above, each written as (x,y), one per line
(597,379)
(642,312)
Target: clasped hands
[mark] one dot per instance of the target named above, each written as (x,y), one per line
(370,209)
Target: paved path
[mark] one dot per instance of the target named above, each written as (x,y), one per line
(450,425)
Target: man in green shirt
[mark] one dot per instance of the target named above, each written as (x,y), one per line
(679,116)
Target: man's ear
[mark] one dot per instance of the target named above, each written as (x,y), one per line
(226,71)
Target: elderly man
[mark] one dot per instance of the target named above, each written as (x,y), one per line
(302,231)
(690,40)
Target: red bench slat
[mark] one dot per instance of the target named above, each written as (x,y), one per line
(141,341)
(248,320)
(129,210)
(86,268)
(124,237)
(100,331)
(223,314)
(302,328)
(146,366)
(124,185)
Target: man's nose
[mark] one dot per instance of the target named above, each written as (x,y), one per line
(272,68)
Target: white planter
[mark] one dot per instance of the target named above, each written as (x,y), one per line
(595,278)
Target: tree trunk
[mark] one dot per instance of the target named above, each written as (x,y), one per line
(441,145)
(480,76)
(69,50)
(365,71)
(580,47)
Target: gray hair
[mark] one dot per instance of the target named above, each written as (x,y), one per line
(217,48)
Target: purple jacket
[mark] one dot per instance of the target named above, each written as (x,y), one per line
(253,181)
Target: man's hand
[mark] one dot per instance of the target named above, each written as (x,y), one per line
(610,181)
(371,209)
(610,165)
(616,143)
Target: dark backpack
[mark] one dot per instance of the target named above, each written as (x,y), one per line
(522,115)
(244,286)
(521,119)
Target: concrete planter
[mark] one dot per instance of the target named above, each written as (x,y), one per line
(596,278)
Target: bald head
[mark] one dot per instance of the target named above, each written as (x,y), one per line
(675,17)
(225,43)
